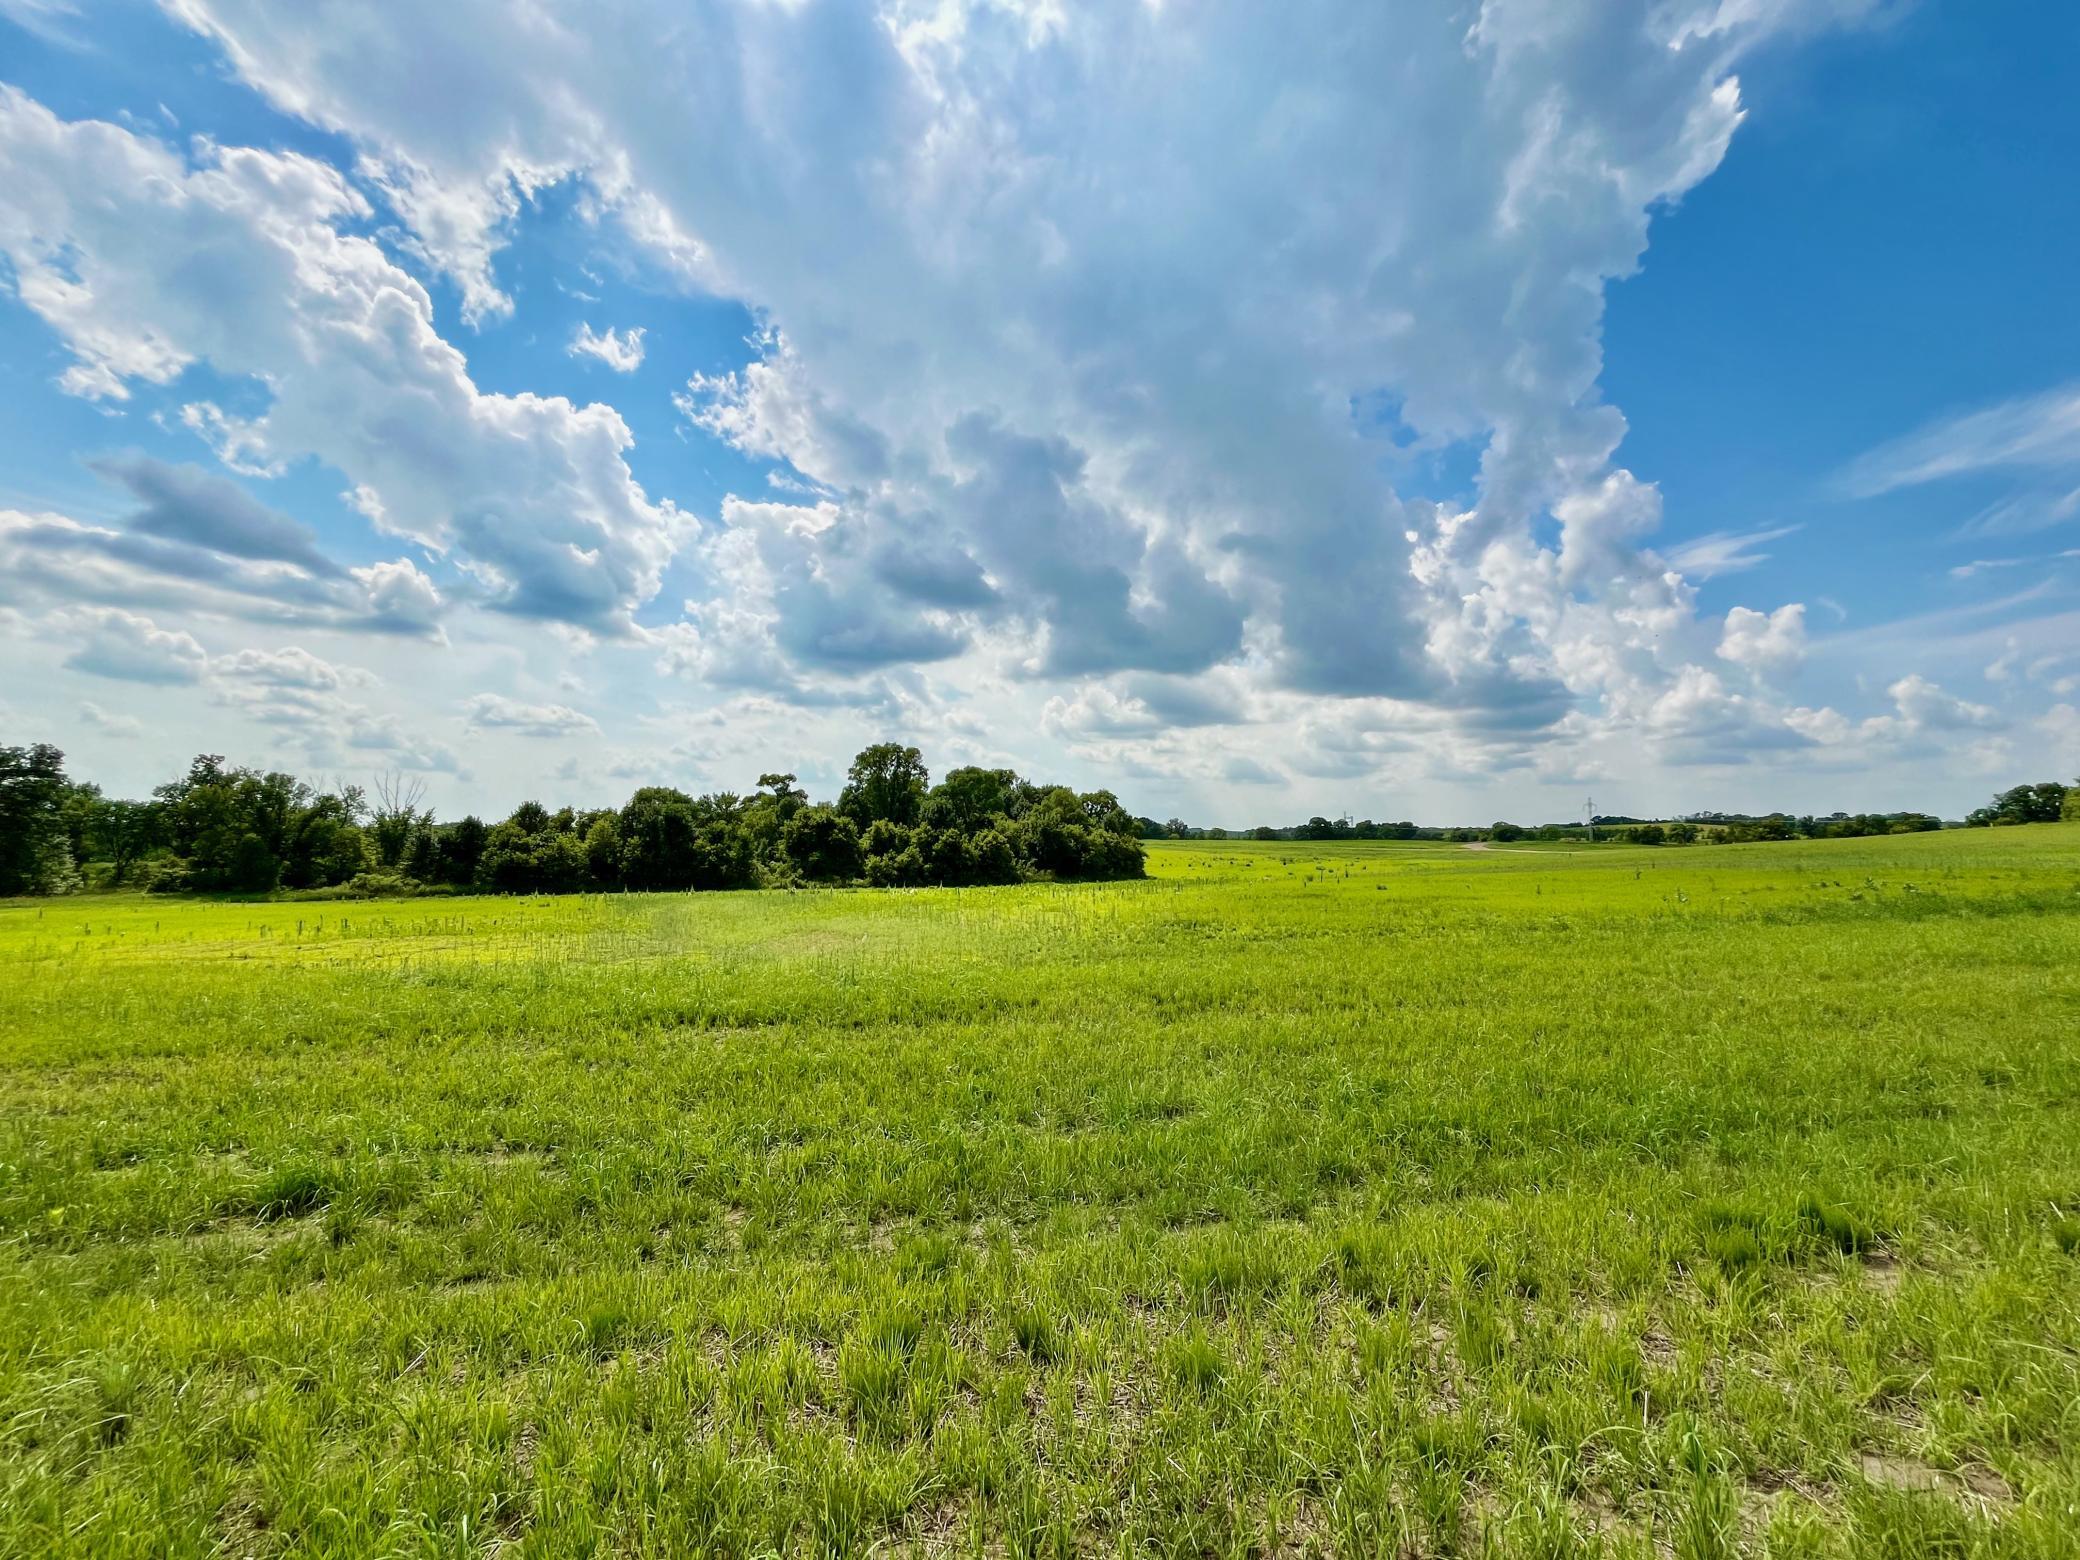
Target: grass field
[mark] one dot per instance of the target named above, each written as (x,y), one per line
(1303,1199)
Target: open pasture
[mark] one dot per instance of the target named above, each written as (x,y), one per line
(1301,1199)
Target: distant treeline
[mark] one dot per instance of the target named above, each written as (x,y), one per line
(2045,802)
(226,829)
(1703,829)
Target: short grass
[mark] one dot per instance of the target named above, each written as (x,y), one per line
(1337,1198)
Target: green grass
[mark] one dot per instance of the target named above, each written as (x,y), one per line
(1304,1198)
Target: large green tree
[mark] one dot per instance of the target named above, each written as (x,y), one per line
(658,838)
(887,781)
(969,797)
(35,854)
(123,833)
(2043,802)
(823,844)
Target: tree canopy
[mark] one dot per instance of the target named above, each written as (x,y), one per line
(2043,802)
(221,828)
(226,828)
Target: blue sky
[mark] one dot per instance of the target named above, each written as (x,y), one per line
(1440,412)
(1887,242)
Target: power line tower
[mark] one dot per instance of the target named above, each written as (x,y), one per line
(1589,813)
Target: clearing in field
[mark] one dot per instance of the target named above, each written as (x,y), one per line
(1301,1199)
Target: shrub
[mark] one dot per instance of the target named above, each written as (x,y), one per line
(374,885)
(883,838)
(945,855)
(823,844)
(518,862)
(990,857)
(899,869)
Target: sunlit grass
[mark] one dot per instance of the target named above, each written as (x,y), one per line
(1300,1198)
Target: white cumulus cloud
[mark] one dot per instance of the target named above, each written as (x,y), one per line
(144,262)
(534,720)
(620,350)
(128,647)
(1067,310)
(1765,641)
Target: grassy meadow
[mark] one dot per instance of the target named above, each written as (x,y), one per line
(1351,1199)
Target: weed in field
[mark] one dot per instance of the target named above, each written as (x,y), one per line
(1197,1362)
(292,1192)
(1835,1225)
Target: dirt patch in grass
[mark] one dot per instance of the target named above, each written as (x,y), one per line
(1883,1271)
(250,1237)
(1120,1407)
(941,1528)
(1302,1530)
(499,1154)
(1972,1484)
(1765,1488)
(1657,1348)
(1600,1517)
(245,1528)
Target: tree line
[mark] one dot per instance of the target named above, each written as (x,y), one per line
(2046,801)
(1703,828)
(222,828)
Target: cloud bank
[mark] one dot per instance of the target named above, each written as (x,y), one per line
(1100,357)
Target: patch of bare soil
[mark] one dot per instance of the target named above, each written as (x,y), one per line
(1972,1484)
(1883,1271)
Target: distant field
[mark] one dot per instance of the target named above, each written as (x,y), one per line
(1303,1199)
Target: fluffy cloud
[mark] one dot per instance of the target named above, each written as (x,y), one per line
(1093,350)
(293,667)
(1922,711)
(53,558)
(1765,641)
(144,262)
(1144,704)
(534,720)
(301,694)
(1923,706)
(620,350)
(400,597)
(109,642)
(1079,384)
(810,572)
